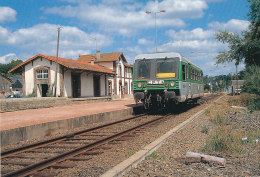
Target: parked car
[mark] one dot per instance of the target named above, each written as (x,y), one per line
(15,96)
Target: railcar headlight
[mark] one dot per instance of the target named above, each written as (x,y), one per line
(172,84)
(144,85)
(139,85)
(166,85)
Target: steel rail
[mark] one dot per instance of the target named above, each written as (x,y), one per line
(48,162)
(54,140)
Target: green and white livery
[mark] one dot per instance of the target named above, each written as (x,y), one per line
(163,78)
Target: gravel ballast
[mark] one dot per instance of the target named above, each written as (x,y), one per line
(169,159)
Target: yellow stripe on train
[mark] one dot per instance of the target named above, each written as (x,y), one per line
(164,75)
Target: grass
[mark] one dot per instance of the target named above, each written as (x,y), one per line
(225,140)
(155,155)
(131,152)
(226,136)
(216,114)
(205,129)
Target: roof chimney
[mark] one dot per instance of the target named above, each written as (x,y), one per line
(92,62)
(98,55)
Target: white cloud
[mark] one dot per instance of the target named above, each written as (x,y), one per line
(7,58)
(42,38)
(127,17)
(179,8)
(233,25)
(131,52)
(197,33)
(144,41)
(7,14)
(188,46)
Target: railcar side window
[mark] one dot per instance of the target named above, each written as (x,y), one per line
(183,72)
(189,73)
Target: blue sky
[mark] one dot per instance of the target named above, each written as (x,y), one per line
(29,27)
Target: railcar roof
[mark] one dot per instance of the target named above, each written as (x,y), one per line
(164,55)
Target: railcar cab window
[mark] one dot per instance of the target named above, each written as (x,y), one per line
(42,74)
(143,69)
(167,68)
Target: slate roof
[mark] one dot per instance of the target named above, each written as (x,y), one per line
(103,57)
(68,63)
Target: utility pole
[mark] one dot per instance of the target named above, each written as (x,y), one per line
(237,78)
(57,56)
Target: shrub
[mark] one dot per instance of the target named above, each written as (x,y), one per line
(251,101)
(252,80)
(254,103)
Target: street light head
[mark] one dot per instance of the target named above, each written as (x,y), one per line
(148,12)
(163,11)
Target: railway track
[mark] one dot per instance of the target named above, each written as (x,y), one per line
(41,158)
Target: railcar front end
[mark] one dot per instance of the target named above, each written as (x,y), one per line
(160,79)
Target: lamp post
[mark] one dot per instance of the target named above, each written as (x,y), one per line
(155,13)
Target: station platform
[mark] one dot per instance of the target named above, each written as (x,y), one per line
(35,123)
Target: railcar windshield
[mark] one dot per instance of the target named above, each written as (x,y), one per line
(167,68)
(142,69)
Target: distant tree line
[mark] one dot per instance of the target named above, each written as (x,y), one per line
(4,68)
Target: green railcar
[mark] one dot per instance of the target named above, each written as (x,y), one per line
(164,78)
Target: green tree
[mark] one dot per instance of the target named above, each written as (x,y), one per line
(4,68)
(243,47)
(252,80)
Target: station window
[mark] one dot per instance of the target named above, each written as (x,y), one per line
(42,74)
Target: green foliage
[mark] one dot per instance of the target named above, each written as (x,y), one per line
(30,95)
(205,129)
(234,43)
(254,104)
(251,101)
(49,94)
(153,155)
(131,152)
(207,112)
(4,68)
(224,141)
(218,83)
(252,80)
(218,120)
(246,46)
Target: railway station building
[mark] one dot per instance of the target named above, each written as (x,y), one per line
(75,78)
(119,85)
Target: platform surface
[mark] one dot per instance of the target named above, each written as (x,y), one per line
(11,120)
